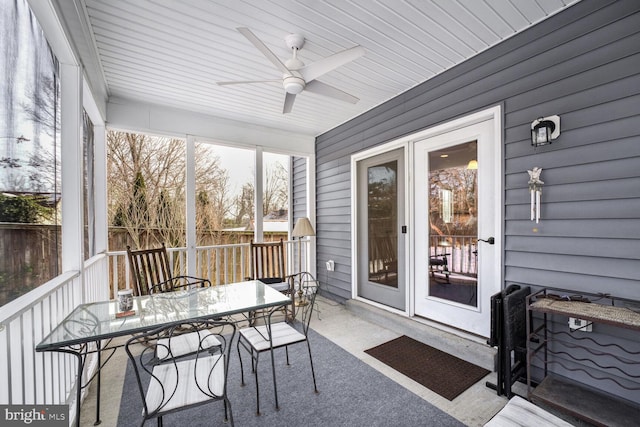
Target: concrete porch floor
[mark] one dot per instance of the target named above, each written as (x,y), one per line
(355,327)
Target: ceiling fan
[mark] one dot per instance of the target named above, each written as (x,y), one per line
(296,76)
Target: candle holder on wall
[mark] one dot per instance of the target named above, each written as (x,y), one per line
(535,191)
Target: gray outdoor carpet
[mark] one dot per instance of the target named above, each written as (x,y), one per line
(351,394)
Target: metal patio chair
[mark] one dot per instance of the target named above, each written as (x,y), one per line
(175,382)
(152,273)
(267,265)
(258,339)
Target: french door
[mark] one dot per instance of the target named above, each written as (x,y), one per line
(456,242)
(381,229)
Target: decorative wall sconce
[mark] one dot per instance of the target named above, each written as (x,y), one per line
(535,189)
(544,130)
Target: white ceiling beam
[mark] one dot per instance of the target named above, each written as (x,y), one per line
(155,119)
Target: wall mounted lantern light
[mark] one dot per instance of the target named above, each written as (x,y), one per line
(544,130)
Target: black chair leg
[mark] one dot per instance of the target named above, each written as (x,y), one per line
(257,386)
(228,418)
(275,385)
(313,372)
(241,367)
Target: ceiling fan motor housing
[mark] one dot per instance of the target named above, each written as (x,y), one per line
(294,83)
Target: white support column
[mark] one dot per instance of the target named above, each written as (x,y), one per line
(71,161)
(311,210)
(290,203)
(258,234)
(100,186)
(191,204)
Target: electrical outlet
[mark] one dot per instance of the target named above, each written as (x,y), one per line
(331,265)
(580,325)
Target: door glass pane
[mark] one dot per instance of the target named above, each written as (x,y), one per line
(453,224)
(382,195)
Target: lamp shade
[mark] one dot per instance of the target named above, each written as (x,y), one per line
(303,228)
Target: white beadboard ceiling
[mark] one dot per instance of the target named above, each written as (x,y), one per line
(172,52)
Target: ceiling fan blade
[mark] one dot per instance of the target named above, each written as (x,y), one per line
(240,82)
(330,63)
(288,102)
(330,91)
(264,49)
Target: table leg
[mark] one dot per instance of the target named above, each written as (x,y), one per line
(77,354)
(98,347)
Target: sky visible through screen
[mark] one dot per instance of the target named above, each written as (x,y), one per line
(240,164)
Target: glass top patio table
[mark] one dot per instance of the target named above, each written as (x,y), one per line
(97,321)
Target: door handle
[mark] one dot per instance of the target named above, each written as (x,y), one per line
(490,240)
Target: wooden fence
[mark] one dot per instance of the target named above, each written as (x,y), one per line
(29,257)
(30,254)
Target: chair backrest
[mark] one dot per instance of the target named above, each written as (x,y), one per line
(148,268)
(267,261)
(305,288)
(175,381)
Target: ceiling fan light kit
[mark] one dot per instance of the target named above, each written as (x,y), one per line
(293,84)
(297,77)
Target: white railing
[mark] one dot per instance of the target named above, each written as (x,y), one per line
(49,377)
(219,263)
(460,252)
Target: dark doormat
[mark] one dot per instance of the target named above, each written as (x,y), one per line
(440,372)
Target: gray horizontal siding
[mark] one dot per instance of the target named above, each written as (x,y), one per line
(595,230)
(582,64)
(558,245)
(299,187)
(298,193)
(334,177)
(580,210)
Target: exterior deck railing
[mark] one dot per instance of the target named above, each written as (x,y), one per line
(219,263)
(460,252)
(45,378)
(50,377)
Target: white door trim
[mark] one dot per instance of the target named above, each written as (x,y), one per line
(492,113)
(355,158)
